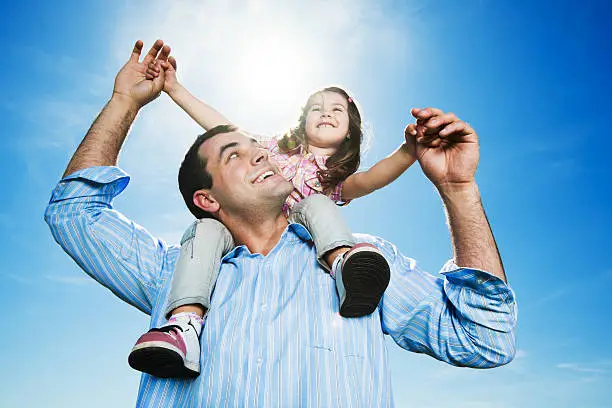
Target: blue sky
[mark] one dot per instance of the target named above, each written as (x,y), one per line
(531,77)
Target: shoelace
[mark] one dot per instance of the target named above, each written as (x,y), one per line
(172,330)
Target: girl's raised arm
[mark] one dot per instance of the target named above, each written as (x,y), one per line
(205,115)
(382,173)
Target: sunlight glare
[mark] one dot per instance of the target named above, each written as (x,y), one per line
(275,71)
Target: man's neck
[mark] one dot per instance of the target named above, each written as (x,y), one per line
(260,234)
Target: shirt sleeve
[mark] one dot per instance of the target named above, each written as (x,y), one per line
(113,250)
(336,195)
(465,317)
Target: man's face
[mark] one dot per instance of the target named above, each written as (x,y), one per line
(244,180)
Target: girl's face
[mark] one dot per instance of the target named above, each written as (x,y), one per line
(327,120)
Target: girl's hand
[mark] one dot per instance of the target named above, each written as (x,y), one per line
(154,68)
(446,147)
(410,133)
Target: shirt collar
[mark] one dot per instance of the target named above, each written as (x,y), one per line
(319,160)
(293,233)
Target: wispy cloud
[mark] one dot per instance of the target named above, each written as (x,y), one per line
(581,368)
(39,280)
(70,280)
(65,111)
(21,279)
(563,167)
(520,354)
(546,299)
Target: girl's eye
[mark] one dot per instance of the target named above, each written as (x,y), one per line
(338,109)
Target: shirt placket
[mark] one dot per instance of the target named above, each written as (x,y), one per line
(265,271)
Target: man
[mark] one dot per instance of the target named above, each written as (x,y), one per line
(273,336)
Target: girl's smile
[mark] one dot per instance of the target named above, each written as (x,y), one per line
(327,122)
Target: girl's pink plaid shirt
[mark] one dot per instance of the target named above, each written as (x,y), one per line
(300,168)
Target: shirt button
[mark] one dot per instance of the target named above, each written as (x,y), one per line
(264,307)
(259,360)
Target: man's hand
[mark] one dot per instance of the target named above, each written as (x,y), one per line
(446,147)
(131,82)
(154,69)
(103,141)
(448,151)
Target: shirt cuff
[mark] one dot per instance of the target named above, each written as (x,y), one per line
(481,298)
(93,181)
(336,195)
(475,279)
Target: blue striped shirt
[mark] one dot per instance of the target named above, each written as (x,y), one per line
(273,336)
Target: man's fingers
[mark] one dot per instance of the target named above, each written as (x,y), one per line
(437,142)
(423,135)
(430,141)
(426,113)
(136,51)
(152,54)
(436,125)
(427,139)
(453,128)
(433,125)
(164,53)
(433,111)
(468,130)
(438,121)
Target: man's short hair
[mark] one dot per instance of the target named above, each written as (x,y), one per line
(193,175)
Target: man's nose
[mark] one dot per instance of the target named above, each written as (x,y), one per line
(260,155)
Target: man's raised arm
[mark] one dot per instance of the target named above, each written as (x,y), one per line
(103,141)
(447,149)
(468,316)
(108,246)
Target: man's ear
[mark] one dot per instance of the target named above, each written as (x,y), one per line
(204,199)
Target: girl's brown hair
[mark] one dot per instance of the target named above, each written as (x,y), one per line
(345,161)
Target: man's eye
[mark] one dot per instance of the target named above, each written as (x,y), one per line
(232,155)
(315,109)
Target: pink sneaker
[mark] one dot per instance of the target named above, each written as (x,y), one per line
(172,350)
(361,280)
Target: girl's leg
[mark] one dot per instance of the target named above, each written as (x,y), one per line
(361,271)
(173,350)
(202,246)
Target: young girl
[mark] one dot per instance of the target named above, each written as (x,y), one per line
(320,156)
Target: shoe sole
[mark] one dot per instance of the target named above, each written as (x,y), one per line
(365,276)
(159,361)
